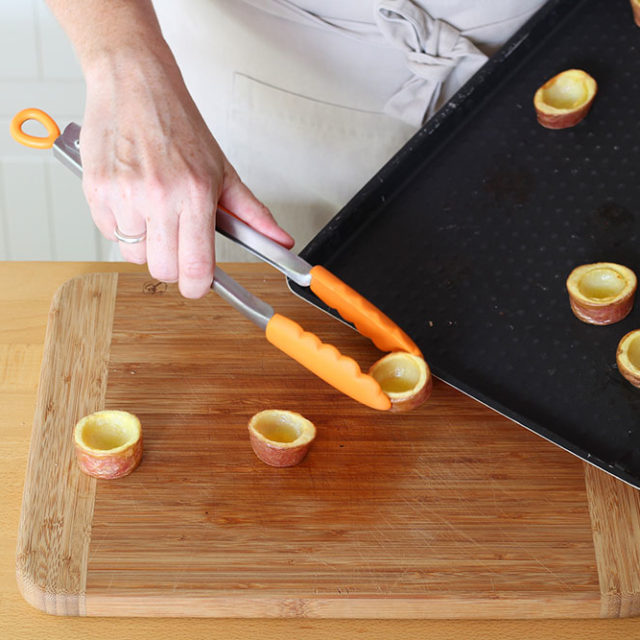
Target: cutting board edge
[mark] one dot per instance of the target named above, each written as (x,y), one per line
(64,531)
(46,600)
(614,509)
(374,607)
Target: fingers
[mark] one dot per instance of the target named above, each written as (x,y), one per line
(162,245)
(176,215)
(196,252)
(100,210)
(181,234)
(239,199)
(113,213)
(178,230)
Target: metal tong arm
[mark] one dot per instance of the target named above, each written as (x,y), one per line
(66,148)
(257,310)
(285,261)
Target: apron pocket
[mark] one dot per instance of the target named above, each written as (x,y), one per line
(302,157)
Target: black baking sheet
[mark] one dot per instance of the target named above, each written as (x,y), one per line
(465,237)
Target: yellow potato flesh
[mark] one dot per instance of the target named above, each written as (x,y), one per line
(107,431)
(601,283)
(397,375)
(566,93)
(277,429)
(633,352)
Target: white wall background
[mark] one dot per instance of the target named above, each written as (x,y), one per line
(43,214)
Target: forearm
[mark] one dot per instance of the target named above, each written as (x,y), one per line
(102,30)
(124,57)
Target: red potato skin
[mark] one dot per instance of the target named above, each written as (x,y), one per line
(633,379)
(635,7)
(563,120)
(278,456)
(109,467)
(603,314)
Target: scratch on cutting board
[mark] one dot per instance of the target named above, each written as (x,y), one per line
(399,579)
(559,580)
(312,479)
(456,530)
(496,502)
(526,552)
(522,548)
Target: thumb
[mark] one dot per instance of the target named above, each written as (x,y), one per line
(238,199)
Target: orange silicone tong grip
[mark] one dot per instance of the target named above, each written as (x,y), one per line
(325,361)
(367,318)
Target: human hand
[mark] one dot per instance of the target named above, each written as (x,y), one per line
(151,165)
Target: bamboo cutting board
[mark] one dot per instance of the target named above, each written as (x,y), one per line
(449,511)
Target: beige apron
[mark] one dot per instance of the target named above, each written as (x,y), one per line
(308,106)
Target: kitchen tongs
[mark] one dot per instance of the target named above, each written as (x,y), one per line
(324,360)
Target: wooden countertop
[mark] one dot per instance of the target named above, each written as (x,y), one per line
(26,290)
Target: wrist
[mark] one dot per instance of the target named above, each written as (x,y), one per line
(126,59)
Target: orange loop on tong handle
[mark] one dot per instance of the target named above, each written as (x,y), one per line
(36,142)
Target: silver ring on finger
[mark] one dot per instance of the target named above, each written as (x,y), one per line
(123,237)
